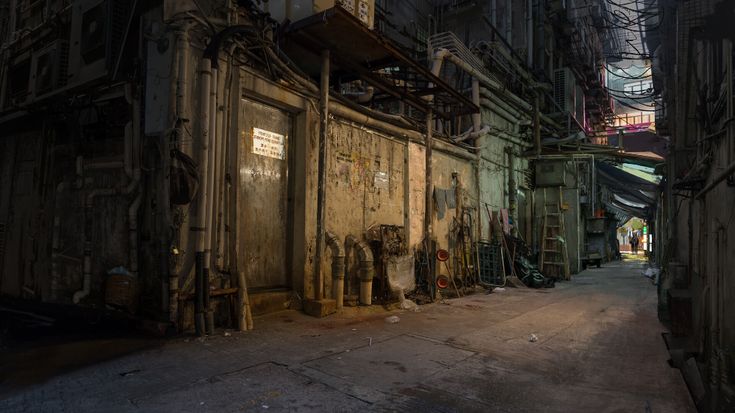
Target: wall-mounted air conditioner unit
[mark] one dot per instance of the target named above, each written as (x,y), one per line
(49,69)
(564,85)
(97,31)
(568,95)
(17,83)
(28,14)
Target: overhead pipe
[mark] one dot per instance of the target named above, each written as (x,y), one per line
(444,54)
(363,120)
(487,103)
(362,97)
(338,267)
(729,170)
(367,269)
(473,134)
(500,103)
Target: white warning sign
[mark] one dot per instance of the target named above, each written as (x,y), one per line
(270,144)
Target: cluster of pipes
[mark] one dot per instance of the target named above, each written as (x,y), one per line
(206,231)
(129,188)
(340,257)
(210,235)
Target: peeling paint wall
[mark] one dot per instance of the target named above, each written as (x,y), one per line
(365,175)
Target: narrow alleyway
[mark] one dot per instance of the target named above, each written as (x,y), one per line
(599,349)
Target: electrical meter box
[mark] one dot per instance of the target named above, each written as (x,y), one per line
(550,173)
(295,10)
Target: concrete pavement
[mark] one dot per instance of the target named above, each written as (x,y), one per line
(599,349)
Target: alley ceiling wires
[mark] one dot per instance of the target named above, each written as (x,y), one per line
(629,22)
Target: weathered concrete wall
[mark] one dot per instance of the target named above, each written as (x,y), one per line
(366,183)
(503,141)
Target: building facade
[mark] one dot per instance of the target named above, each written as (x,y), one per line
(198,163)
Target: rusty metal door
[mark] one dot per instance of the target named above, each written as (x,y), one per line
(263,211)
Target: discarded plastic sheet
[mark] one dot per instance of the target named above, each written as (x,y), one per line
(392,319)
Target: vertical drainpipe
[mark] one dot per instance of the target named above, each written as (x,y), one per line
(537,123)
(428,204)
(477,125)
(321,189)
(529,34)
(202,289)
(512,192)
(494,12)
(179,84)
(209,176)
(509,21)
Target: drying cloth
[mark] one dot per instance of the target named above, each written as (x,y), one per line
(440,201)
(504,220)
(451,199)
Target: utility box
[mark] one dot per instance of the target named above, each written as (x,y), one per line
(295,10)
(550,173)
(680,312)
(595,225)
(679,274)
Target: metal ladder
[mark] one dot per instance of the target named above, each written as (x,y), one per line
(554,261)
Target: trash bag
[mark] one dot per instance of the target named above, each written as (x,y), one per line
(183,178)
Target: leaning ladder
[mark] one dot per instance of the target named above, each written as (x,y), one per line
(554,256)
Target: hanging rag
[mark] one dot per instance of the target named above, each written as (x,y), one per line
(451,196)
(440,202)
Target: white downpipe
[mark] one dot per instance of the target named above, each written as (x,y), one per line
(182,85)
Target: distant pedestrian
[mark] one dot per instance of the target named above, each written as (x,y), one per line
(634,243)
